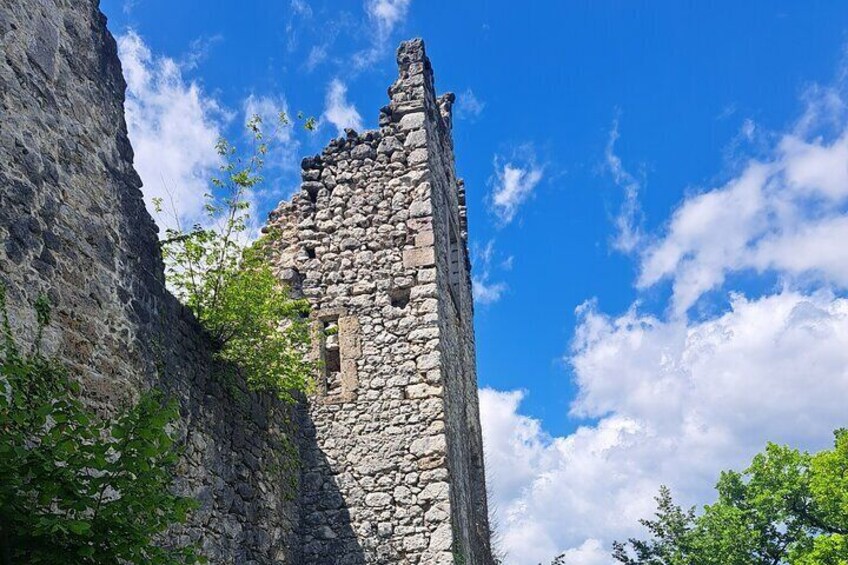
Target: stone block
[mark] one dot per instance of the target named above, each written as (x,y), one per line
(349,337)
(438,491)
(442,538)
(419,257)
(413,121)
(421,208)
(424,239)
(422,391)
(417,156)
(426,446)
(428,361)
(378,499)
(416,139)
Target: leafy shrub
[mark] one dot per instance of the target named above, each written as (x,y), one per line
(76,488)
(229,284)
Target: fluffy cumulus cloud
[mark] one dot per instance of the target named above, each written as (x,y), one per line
(338,111)
(173,126)
(676,403)
(513,183)
(784,214)
(667,399)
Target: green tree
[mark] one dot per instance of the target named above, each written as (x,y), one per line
(76,488)
(669,531)
(229,284)
(787,507)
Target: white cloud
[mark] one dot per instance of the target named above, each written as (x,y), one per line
(338,111)
(628,222)
(173,126)
(384,16)
(676,404)
(591,552)
(129,5)
(791,202)
(484,290)
(301,8)
(198,51)
(514,182)
(387,14)
(748,129)
(468,106)
(317,55)
(671,400)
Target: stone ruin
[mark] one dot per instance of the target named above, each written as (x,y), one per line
(377,241)
(391,459)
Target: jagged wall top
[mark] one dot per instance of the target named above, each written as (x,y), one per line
(412,93)
(414,90)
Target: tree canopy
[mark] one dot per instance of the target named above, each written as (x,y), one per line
(788,507)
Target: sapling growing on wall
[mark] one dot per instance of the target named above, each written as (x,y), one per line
(228,282)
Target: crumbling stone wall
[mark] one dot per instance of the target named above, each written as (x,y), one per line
(73,225)
(392,458)
(376,240)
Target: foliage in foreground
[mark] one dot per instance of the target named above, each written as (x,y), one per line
(788,507)
(230,286)
(75,488)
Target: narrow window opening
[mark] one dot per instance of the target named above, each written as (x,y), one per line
(399,297)
(310,252)
(313,195)
(332,356)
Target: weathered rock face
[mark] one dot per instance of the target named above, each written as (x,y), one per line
(376,240)
(73,225)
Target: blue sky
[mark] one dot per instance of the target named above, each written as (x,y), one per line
(595,138)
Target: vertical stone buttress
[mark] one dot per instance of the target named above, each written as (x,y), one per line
(377,241)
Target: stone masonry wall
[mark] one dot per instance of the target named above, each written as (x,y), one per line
(73,225)
(376,240)
(390,443)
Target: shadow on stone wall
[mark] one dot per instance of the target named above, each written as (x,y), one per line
(326,531)
(239,448)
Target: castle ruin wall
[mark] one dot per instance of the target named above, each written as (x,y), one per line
(376,240)
(391,456)
(74,227)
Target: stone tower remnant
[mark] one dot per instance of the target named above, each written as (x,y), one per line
(376,240)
